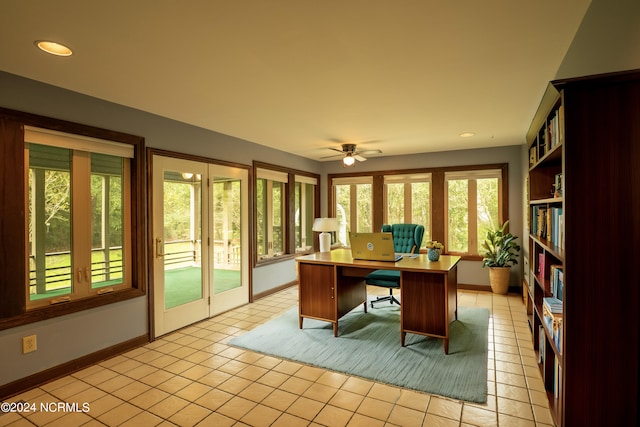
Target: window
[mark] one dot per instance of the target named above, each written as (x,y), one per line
(305,212)
(78,217)
(353,205)
(441,199)
(270,203)
(473,207)
(287,202)
(72,209)
(408,200)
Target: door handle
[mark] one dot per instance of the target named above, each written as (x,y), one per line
(159,248)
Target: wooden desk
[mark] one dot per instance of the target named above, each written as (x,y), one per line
(331,284)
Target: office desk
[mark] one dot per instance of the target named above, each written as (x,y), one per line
(331,284)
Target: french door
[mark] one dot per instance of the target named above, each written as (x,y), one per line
(200,241)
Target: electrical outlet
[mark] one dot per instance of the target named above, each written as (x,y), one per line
(29,344)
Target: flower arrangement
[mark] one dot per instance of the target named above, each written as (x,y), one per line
(434,244)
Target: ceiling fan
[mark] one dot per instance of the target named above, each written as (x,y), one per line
(350,154)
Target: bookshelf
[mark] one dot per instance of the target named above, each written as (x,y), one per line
(546,253)
(583,299)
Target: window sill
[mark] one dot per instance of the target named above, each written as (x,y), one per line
(275,260)
(62,309)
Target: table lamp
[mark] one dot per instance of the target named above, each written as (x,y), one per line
(324,225)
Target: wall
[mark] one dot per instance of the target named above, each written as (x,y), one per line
(70,337)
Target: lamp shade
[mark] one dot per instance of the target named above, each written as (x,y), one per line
(325,224)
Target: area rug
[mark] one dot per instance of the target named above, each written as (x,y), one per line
(368,346)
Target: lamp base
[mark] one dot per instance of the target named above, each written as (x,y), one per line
(325,242)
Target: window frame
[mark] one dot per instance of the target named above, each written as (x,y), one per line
(438,195)
(471,176)
(289,206)
(14,269)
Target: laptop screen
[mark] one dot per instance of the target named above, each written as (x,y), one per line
(373,247)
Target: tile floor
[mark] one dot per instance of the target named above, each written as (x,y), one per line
(191,377)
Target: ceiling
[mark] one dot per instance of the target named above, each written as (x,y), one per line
(301,76)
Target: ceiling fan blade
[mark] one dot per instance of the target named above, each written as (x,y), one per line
(336,149)
(359,158)
(369,152)
(332,157)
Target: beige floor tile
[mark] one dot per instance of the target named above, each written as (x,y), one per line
(305,408)
(149,398)
(261,416)
(515,408)
(279,399)
(256,392)
(320,392)
(445,408)
(119,414)
(432,420)
(414,400)
(296,385)
(479,417)
(358,385)
(332,379)
(375,408)
(236,407)
(384,392)
(359,420)
(214,399)
(309,373)
(288,420)
(333,416)
(403,416)
(512,392)
(346,400)
(190,415)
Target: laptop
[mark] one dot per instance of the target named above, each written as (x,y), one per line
(373,247)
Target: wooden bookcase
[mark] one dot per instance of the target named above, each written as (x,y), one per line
(585,137)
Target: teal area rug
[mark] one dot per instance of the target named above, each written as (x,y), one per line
(368,346)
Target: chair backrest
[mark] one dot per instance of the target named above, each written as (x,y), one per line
(406,237)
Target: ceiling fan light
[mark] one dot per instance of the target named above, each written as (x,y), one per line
(348,160)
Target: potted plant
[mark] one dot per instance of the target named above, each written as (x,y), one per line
(501,251)
(433,250)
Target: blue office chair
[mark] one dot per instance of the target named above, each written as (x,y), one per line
(406,239)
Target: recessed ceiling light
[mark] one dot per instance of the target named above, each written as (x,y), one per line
(53,48)
(467,134)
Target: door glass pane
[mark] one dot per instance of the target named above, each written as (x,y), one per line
(227,238)
(183,279)
(343,212)
(50,248)
(458,215)
(107,220)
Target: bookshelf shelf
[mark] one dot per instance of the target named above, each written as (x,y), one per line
(586,130)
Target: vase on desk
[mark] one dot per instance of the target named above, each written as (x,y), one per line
(433,254)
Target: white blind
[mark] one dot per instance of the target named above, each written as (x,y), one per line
(406,178)
(473,174)
(306,179)
(348,180)
(272,175)
(76,142)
